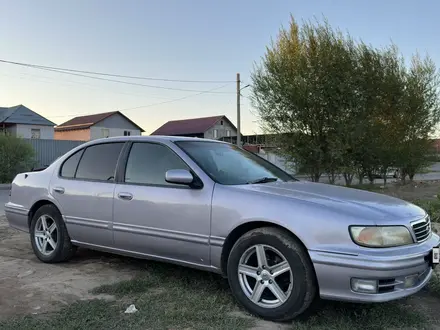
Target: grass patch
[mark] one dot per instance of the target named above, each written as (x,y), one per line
(170,297)
(343,316)
(434,285)
(167,297)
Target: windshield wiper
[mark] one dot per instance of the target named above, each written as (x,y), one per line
(263,180)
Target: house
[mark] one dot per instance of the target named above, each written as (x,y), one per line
(21,121)
(100,125)
(214,127)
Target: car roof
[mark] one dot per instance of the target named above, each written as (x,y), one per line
(156,138)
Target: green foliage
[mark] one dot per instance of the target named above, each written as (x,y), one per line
(432,207)
(343,107)
(15,156)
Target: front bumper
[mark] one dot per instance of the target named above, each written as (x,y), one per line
(334,272)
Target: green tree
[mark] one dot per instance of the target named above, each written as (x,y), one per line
(340,107)
(15,156)
(302,93)
(420,116)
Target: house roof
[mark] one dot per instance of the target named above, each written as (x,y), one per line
(20,114)
(189,126)
(84,122)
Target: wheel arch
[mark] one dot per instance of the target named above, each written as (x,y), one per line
(240,230)
(36,206)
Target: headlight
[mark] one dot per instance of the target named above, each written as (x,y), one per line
(386,236)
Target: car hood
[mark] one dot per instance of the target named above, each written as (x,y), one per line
(353,202)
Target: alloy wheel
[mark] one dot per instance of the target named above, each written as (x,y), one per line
(46,235)
(265,276)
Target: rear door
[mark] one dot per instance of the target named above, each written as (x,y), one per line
(84,189)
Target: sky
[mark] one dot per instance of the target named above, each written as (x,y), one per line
(200,40)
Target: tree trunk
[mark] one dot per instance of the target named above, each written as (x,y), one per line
(331,178)
(316,177)
(348,178)
(402,175)
(360,175)
(370,176)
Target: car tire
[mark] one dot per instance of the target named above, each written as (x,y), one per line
(50,242)
(299,285)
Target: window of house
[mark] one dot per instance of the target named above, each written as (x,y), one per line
(35,133)
(221,122)
(148,162)
(69,166)
(127,133)
(215,133)
(228,132)
(99,162)
(105,132)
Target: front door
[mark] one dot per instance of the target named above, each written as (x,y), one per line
(157,218)
(84,189)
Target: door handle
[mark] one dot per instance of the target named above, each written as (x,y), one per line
(59,190)
(125,196)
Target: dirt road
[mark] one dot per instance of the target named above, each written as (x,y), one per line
(28,286)
(4,196)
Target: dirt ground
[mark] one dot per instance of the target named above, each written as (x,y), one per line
(412,191)
(28,286)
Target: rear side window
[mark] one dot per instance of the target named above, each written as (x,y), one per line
(69,167)
(99,162)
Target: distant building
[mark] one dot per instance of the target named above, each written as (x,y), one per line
(101,125)
(21,121)
(214,127)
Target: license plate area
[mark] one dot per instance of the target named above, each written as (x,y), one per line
(434,257)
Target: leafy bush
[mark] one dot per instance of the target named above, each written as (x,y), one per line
(15,156)
(432,207)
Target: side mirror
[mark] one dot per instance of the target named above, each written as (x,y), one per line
(179,177)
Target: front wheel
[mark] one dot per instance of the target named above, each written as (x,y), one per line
(271,275)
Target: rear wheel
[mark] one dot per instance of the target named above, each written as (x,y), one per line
(271,275)
(49,238)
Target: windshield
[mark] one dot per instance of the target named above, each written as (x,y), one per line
(229,165)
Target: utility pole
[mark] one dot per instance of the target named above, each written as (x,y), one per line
(238,112)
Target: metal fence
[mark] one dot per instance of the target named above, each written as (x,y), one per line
(46,151)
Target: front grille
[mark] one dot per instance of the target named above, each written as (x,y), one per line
(422,229)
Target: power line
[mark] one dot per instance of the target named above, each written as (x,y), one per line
(69,82)
(149,105)
(130,83)
(116,75)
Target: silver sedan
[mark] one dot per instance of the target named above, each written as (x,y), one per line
(213,206)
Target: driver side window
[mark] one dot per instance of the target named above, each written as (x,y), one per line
(148,162)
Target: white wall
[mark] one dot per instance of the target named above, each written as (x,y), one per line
(96,132)
(221,130)
(279,161)
(24,131)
